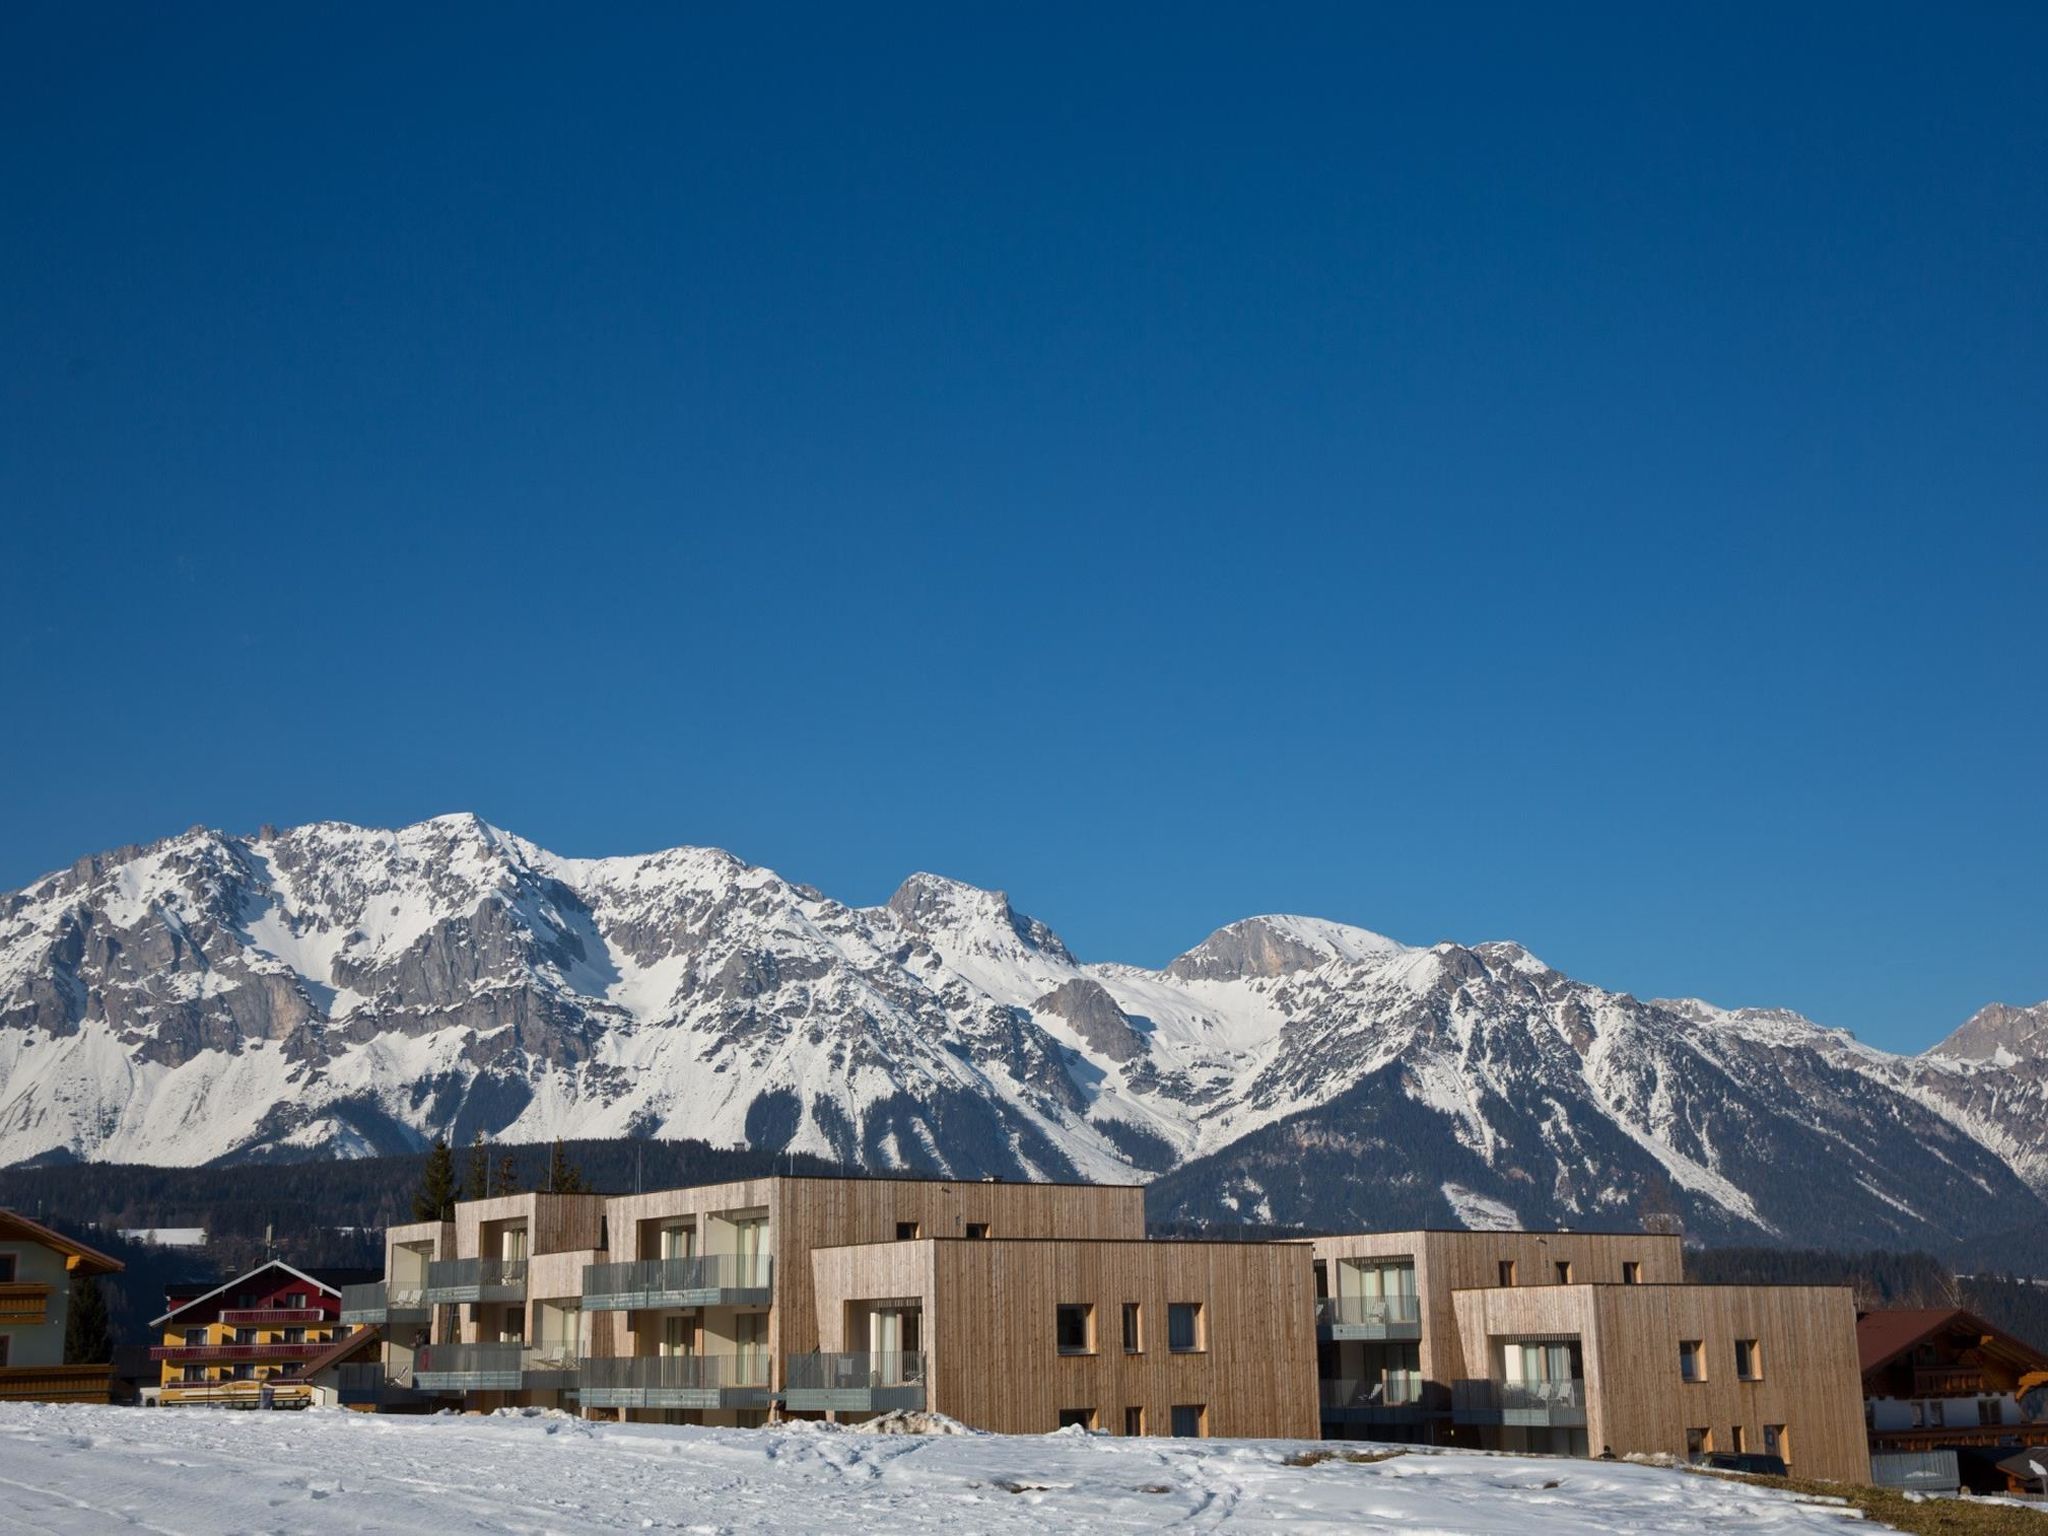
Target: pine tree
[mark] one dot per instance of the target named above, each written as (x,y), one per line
(564,1177)
(435,1199)
(88,1333)
(507,1181)
(476,1183)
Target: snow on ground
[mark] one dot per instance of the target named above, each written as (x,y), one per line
(77,1469)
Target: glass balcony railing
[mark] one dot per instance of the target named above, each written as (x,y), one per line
(1534,1403)
(1370,1316)
(710,1280)
(503,1367)
(855,1382)
(1395,1397)
(462,1280)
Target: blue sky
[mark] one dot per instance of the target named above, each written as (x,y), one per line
(1573,474)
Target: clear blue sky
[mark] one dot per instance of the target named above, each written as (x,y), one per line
(1573,474)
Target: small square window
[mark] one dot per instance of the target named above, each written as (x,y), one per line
(1698,1443)
(1564,1271)
(1075,1329)
(977,1229)
(1631,1272)
(1190,1421)
(1749,1360)
(1184,1328)
(1134,1329)
(1692,1362)
(1080,1418)
(908,1231)
(1134,1421)
(1507,1271)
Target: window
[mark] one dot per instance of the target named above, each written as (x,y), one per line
(1134,1329)
(1775,1443)
(1075,1328)
(1082,1418)
(1692,1364)
(8,1261)
(6,1344)
(194,1337)
(1631,1272)
(1749,1360)
(296,1299)
(1134,1421)
(1937,1413)
(1698,1443)
(1184,1328)
(1738,1442)
(244,1372)
(1190,1421)
(1564,1271)
(1507,1271)
(908,1231)
(245,1335)
(1990,1410)
(977,1229)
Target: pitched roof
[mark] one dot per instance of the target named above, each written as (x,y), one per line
(2031,1463)
(342,1348)
(331,1287)
(78,1257)
(1881,1337)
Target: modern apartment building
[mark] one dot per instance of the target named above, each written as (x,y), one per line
(37,1267)
(1012,1306)
(1025,1307)
(239,1345)
(1579,1343)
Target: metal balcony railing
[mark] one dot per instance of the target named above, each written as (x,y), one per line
(460,1280)
(270,1317)
(199,1352)
(1370,1317)
(709,1280)
(1398,1395)
(1533,1403)
(506,1367)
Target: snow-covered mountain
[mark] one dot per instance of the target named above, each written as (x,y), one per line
(332,990)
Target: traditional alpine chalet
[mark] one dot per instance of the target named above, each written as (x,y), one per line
(1943,1379)
(1022,1308)
(239,1345)
(37,1268)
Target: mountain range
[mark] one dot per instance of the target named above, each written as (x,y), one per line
(331,990)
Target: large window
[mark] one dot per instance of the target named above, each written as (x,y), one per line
(1184,1328)
(1190,1421)
(1692,1363)
(1749,1360)
(1075,1328)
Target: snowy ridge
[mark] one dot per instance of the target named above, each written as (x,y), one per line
(337,990)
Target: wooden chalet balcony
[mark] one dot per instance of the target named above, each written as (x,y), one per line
(270,1317)
(56,1383)
(675,1381)
(24,1304)
(854,1383)
(712,1280)
(194,1354)
(1949,1381)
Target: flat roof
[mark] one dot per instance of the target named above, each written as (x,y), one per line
(1675,1237)
(1150,1242)
(1652,1285)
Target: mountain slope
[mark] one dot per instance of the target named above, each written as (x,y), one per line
(333,990)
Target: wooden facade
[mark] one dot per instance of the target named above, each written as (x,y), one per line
(995,1359)
(1803,1381)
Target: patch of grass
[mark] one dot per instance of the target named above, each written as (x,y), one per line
(1317,1457)
(1918,1517)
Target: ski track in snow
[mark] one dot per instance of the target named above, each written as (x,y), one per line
(68,1471)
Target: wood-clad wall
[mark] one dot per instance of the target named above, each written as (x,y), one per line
(1450,1261)
(554,1223)
(991,1334)
(1638,1400)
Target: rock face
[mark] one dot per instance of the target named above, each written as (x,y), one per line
(332,990)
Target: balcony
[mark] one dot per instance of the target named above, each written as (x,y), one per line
(271,1317)
(676,1381)
(1368,1319)
(1528,1404)
(369,1386)
(1949,1381)
(378,1305)
(714,1280)
(512,1367)
(1398,1397)
(458,1280)
(24,1304)
(854,1383)
(195,1354)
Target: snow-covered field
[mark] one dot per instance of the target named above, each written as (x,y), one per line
(77,1469)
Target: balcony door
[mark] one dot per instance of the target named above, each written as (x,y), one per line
(894,1335)
(1545,1367)
(679,1334)
(750,1242)
(679,1242)
(512,1245)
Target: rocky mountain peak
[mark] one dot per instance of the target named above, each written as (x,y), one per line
(1088,1006)
(931,905)
(1277,945)
(2002,1033)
